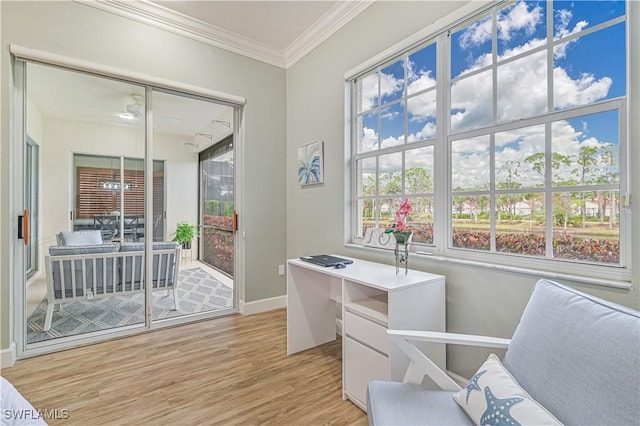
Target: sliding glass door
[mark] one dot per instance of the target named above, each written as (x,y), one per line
(185,128)
(106,184)
(84,194)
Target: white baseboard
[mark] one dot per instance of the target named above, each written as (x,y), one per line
(8,356)
(263,305)
(338,326)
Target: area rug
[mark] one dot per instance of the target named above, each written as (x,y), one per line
(197,292)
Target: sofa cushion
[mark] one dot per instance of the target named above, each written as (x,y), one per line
(163,265)
(492,396)
(408,404)
(158,245)
(79,238)
(578,356)
(74,268)
(85,249)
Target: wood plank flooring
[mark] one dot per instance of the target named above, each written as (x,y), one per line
(228,371)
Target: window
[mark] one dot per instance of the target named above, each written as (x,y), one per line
(396,130)
(506,133)
(105,183)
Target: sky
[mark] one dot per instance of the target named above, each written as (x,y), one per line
(586,69)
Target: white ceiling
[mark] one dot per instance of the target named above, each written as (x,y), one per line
(275,23)
(278,32)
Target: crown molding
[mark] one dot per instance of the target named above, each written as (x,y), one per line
(161,17)
(177,23)
(328,24)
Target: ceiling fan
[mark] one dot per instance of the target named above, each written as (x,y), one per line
(135,109)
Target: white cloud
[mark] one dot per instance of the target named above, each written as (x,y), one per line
(477,33)
(369,92)
(522,93)
(392,141)
(518,17)
(422,106)
(584,90)
(369,139)
(427,132)
(420,82)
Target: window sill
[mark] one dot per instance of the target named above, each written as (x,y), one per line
(422,257)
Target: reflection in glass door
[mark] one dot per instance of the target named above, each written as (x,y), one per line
(217,180)
(91,143)
(184,128)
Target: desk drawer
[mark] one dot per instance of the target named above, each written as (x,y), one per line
(366,331)
(361,365)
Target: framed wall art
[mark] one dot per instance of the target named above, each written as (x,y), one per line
(310,163)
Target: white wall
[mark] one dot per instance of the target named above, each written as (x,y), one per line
(79,31)
(478,300)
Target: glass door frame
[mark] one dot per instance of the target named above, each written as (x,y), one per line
(20,57)
(32,204)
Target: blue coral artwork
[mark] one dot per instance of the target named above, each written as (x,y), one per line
(310,163)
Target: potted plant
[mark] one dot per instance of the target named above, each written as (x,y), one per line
(185,233)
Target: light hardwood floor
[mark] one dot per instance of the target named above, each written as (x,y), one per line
(228,371)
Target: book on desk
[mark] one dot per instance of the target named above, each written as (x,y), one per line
(326,260)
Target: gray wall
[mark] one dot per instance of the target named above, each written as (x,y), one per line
(79,31)
(478,300)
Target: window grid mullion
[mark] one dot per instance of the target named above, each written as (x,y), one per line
(442,186)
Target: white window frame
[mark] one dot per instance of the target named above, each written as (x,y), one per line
(610,275)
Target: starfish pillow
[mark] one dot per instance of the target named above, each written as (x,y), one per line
(493,397)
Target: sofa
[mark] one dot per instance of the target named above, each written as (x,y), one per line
(82,267)
(573,359)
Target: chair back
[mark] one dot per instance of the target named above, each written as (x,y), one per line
(165,257)
(572,352)
(75,269)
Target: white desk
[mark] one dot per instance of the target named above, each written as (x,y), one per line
(373,299)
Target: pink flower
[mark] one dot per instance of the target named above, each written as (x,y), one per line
(405,208)
(400,222)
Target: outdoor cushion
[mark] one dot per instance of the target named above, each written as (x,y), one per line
(163,277)
(104,269)
(79,238)
(573,352)
(410,404)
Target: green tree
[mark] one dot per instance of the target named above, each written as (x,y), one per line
(418,181)
(587,160)
(390,183)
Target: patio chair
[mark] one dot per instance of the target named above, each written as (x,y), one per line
(573,359)
(131,227)
(108,226)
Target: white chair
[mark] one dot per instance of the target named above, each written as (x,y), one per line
(574,356)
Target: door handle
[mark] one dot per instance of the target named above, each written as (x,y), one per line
(23,227)
(235,222)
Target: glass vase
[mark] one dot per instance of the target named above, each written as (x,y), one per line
(401,251)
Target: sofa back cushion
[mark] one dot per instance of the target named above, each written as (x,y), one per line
(84,278)
(163,265)
(79,238)
(578,356)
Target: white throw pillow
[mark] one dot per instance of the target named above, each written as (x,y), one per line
(81,238)
(493,397)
